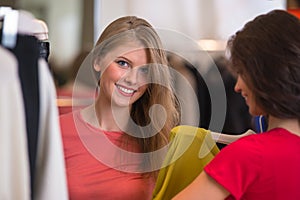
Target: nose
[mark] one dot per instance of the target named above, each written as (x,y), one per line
(131,77)
(237,87)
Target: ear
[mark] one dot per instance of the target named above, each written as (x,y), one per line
(97,66)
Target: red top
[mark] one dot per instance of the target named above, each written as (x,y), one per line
(264,166)
(95,169)
(294,11)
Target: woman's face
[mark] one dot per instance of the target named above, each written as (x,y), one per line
(125,78)
(242,87)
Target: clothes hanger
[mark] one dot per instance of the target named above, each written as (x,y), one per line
(40,30)
(20,22)
(10,26)
(227,139)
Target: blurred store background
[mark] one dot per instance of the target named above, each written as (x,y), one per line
(75,24)
(199,29)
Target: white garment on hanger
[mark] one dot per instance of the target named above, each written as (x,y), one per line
(20,22)
(14,167)
(50,182)
(224,138)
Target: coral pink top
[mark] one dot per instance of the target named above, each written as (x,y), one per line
(95,168)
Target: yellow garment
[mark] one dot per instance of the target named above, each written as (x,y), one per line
(190,150)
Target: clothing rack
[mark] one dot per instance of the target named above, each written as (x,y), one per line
(32,135)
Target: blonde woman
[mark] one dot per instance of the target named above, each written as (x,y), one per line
(110,146)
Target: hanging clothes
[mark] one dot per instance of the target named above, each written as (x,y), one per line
(41,165)
(27,54)
(50,181)
(14,168)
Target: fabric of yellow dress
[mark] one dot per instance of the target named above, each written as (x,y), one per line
(190,150)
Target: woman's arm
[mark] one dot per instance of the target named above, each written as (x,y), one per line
(203,187)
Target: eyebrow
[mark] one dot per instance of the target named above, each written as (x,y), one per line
(127,60)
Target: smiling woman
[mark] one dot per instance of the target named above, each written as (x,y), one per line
(123,78)
(111,146)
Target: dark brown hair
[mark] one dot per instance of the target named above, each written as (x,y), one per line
(266,53)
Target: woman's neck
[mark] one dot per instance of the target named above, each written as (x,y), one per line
(292,125)
(102,116)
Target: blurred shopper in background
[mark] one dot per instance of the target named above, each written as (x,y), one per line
(237,120)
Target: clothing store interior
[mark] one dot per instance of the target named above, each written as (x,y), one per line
(47,49)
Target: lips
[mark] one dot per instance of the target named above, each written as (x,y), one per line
(126,91)
(245,97)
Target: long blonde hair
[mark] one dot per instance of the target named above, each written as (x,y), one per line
(160,90)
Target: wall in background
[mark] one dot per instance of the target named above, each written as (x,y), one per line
(198,19)
(70,27)
(63,18)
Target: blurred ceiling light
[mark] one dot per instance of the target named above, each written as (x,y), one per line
(212,45)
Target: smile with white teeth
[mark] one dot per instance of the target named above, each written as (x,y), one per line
(245,97)
(125,90)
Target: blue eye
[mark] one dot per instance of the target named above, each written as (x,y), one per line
(122,63)
(144,70)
